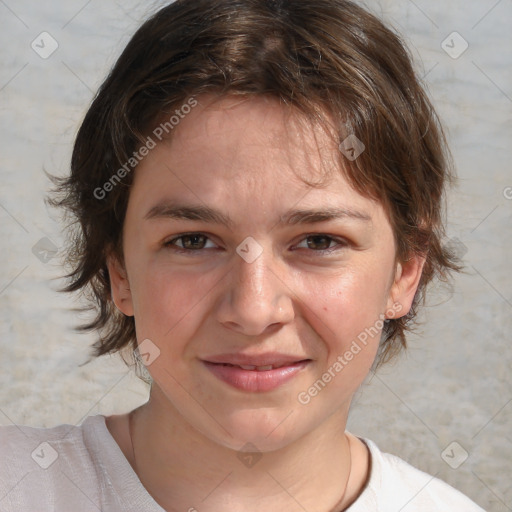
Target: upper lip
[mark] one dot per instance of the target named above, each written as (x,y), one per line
(269,358)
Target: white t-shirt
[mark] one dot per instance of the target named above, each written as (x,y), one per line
(82,469)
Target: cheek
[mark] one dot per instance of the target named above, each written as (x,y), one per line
(165,298)
(346,307)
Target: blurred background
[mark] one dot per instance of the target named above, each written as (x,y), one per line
(445,406)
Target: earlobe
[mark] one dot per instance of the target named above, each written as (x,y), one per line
(407,278)
(120,286)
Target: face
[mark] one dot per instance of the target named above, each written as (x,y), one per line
(265,296)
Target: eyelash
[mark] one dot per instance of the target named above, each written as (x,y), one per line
(341,244)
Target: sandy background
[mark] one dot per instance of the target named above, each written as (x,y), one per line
(454,385)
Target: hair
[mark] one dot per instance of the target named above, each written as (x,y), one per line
(322,58)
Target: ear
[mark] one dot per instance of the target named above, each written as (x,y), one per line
(406,281)
(120,286)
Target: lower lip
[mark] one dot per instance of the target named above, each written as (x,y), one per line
(254,380)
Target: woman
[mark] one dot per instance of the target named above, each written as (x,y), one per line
(257,187)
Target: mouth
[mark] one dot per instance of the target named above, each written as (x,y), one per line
(262,368)
(257,375)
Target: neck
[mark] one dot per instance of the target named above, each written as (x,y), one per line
(185,470)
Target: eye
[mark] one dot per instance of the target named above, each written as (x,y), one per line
(321,242)
(190,242)
(195,242)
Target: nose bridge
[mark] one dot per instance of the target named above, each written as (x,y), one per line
(255,281)
(257,296)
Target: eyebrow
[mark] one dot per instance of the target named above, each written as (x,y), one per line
(202,213)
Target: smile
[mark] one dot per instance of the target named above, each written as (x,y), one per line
(256,368)
(256,378)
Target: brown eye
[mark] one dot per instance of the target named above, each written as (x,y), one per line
(319,242)
(322,243)
(194,241)
(191,241)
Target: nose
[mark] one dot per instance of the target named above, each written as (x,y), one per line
(256,297)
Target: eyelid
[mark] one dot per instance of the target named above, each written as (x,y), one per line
(168,242)
(340,242)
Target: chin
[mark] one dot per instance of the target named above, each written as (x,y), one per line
(267,429)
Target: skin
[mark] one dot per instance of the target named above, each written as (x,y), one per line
(245,158)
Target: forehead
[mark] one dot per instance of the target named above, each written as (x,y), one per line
(247,150)
(258,128)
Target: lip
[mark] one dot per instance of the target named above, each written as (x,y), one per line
(268,358)
(227,368)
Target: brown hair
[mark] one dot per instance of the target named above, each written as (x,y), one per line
(317,56)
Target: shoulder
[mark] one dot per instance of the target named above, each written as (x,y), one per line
(24,448)
(394,484)
(32,447)
(34,461)
(68,467)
